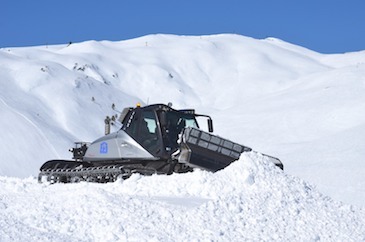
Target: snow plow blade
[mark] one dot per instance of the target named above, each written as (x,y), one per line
(210,152)
(206,151)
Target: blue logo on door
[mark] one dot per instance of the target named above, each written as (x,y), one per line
(103,148)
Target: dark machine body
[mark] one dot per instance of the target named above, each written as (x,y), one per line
(154,139)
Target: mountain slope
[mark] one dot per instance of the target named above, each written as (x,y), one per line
(284,100)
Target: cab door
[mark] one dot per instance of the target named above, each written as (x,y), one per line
(143,127)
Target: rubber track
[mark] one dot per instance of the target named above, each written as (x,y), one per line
(100,174)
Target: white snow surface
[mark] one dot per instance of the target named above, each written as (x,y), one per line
(303,107)
(249,200)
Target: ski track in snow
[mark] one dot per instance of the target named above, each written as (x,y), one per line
(39,131)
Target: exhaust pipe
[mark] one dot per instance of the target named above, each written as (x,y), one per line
(107,125)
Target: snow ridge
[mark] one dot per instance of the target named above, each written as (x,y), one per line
(249,200)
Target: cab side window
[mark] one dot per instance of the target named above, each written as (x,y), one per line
(148,132)
(150,120)
(148,126)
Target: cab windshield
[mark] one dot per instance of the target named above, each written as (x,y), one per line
(181,120)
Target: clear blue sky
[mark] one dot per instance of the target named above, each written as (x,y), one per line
(326,26)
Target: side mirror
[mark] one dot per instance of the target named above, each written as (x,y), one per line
(210,125)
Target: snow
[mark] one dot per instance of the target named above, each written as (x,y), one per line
(250,200)
(280,99)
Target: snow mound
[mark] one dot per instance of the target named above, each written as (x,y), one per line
(249,200)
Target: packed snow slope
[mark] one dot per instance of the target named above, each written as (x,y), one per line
(251,200)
